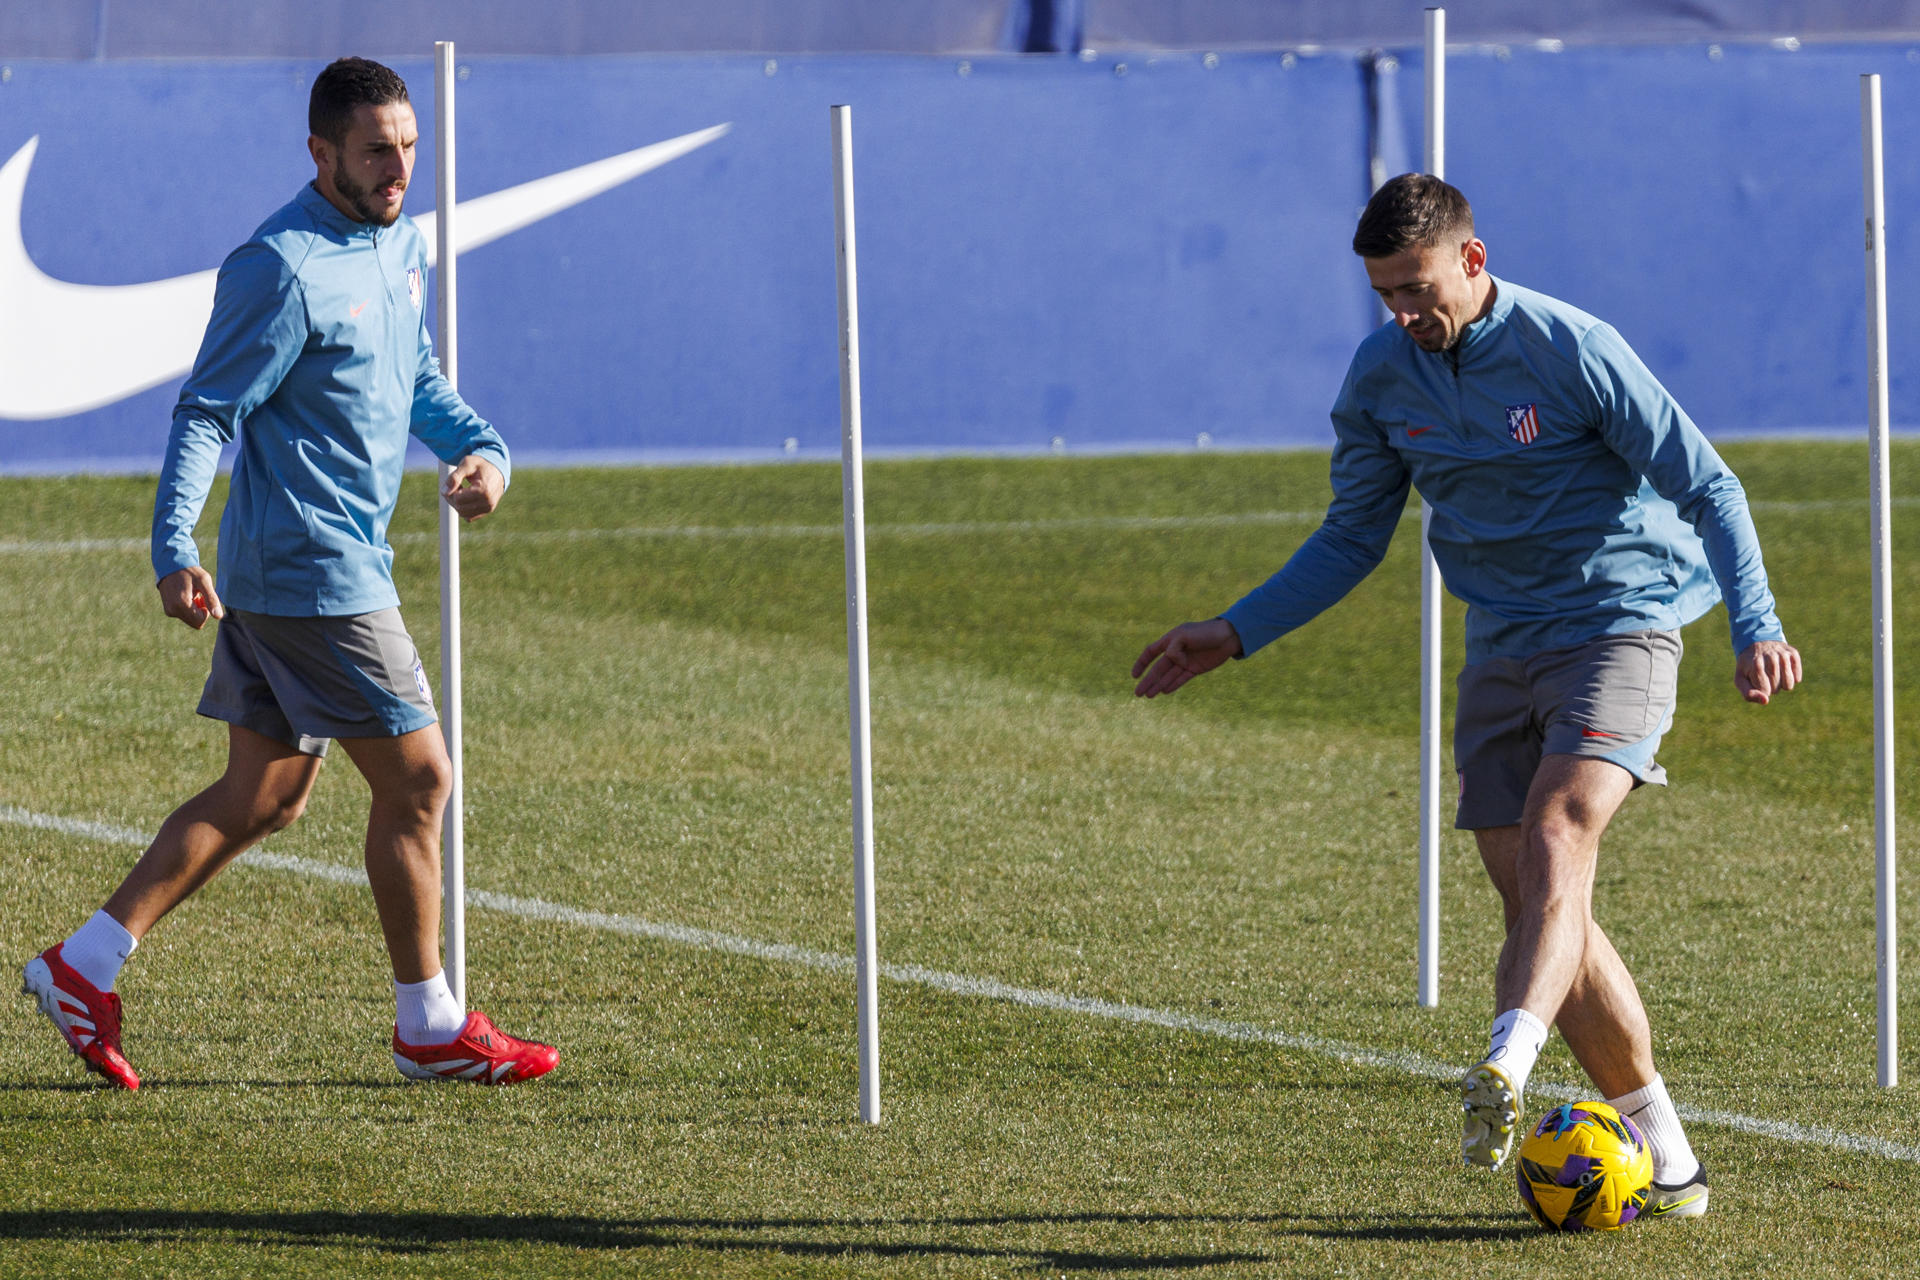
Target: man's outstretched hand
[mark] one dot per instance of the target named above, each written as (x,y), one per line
(1764,668)
(1189,650)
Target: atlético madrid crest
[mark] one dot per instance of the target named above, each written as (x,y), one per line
(1523,423)
(413,292)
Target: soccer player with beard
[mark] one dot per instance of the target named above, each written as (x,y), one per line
(1584,520)
(317,360)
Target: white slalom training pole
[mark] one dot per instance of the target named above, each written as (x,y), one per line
(453,850)
(1882,551)
(866,965)
(1436,163)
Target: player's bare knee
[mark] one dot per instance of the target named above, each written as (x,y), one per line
(1560,832)
(422,788)
(434,782)
(1552,876)
(243,813)
(282,814)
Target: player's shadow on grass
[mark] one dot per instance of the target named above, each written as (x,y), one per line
(421,1233)
(101,1087)
(151,1087)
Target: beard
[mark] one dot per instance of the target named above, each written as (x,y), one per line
(362,199)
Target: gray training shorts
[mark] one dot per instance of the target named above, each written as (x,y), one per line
(303,681)
(1610,699)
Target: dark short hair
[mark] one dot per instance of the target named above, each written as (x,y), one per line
(345,86)
(1413,211)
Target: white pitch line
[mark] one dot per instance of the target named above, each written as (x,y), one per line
(698,531)
(981,988)
(955,528)
(948,529)
(70,546)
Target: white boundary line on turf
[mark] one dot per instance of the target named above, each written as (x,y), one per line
(908,530)
(1410,1064)
(696,531)
(72,545)
(949,529)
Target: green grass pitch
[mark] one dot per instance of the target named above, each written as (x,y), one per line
(656,730)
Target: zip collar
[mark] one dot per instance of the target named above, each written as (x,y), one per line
(1481,330)
(327,215)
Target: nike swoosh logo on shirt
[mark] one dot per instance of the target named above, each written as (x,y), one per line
(66,348)
(353,312)
(1595,733)
(1417,431)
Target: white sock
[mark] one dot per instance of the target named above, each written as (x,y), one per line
(98,948)
(1517,1039)
(1652,1111)
(426,1012)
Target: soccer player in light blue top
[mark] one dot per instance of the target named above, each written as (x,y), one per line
(1584,520)
(317,360)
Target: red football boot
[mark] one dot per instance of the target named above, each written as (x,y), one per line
(86,1016)
(483,1054)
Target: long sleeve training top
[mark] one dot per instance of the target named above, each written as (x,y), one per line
(1572,497)
(318,360)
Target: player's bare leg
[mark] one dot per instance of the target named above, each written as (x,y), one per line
(411,777)
(264,789)
(1568,807)
(1602,1018)
(1544,871)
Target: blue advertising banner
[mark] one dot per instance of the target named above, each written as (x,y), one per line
(379,28)
(1054,253)
(383,28)
(1706,201)
(1236,24)
(1092,253)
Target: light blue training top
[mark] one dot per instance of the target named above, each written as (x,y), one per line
(318,359)
(1572,497)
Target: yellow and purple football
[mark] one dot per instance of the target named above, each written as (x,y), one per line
(1585,1167)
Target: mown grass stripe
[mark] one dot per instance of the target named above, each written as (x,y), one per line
(980,988)
(952,528)
(69,546)
(695,532)
(935,529)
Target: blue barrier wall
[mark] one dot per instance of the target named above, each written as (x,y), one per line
(1707,202)
(1121,252)
(299,28)
(382,28)
(1228,24)
(1047,247)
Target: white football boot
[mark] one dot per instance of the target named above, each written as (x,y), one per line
(1490,1115)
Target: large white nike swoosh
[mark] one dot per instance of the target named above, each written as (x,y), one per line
(66,348)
